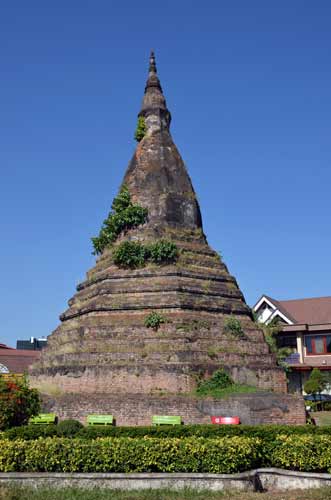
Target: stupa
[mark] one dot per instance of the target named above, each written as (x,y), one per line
(103,346)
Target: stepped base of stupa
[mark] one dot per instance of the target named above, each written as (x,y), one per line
(132,410)
(103,345)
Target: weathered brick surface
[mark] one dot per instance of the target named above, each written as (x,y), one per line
(266,408)
(145,379)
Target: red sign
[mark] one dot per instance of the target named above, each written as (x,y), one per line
(225,420)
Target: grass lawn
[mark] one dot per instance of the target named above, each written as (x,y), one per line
(227,391)
(99,494)
(322,417)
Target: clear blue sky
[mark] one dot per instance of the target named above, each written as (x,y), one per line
(248,84)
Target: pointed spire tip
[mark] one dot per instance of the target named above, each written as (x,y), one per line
(152,64)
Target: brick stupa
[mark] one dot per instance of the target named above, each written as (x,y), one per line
(102,345)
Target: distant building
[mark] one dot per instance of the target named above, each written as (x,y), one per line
(33,344)
(16,360)
(305,328)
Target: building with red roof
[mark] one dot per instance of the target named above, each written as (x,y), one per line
(16,360)
(305,328)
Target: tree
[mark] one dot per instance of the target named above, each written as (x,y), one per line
(18,402)
(316,383)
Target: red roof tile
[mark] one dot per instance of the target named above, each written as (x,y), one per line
(18,360)
(4,346)
(312,311)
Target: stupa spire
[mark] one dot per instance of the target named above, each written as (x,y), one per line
(153,80)
(154,107)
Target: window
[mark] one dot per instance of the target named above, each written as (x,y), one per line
(318,344)
(286,340)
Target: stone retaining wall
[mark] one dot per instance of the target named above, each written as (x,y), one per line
(255,408)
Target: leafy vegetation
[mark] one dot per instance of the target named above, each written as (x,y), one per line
(219,380)
(18,402)
(163,252)
(146,454)
(270,334)
(221,385)
(267,433)
(69,427)
(317,383)
(233,326)
(130,254)
(225,449)
(141,129)
(154,320)
(124,215)
(303,453)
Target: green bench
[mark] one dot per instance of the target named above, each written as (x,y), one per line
(166,420)
(44,418)
(100,420)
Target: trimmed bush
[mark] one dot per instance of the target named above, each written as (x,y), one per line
(302,453)
(28,432)
(222,455)
(69,428)
(267,433)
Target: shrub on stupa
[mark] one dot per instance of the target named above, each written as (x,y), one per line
(132,254)
(124,215)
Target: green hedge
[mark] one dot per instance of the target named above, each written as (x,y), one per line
(264,432)
(302,453)
(310,453)
(222,455)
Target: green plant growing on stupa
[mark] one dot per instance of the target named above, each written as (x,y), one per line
(124,215)
(221,385)
(141,129)
(270,332)
(218,381)
(154,320)
(130,254)
(163,252)
(233,326)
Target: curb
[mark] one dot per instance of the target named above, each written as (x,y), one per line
(255,480)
